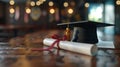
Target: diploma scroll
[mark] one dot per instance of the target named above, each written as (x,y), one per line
(83,48)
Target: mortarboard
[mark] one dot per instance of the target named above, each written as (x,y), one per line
(84,31)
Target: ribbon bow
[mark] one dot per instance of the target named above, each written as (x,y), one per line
(56,42)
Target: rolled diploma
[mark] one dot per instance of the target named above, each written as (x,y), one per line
(83,48)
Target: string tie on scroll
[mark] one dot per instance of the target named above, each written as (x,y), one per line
(56,42)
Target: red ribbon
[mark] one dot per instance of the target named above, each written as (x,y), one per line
(56,42)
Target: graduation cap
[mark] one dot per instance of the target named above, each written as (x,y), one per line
(84,31)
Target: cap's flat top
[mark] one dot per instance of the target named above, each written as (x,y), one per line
(85,23)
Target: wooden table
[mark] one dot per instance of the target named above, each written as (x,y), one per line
(24,57)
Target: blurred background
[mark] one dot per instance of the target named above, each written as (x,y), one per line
(46,14)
